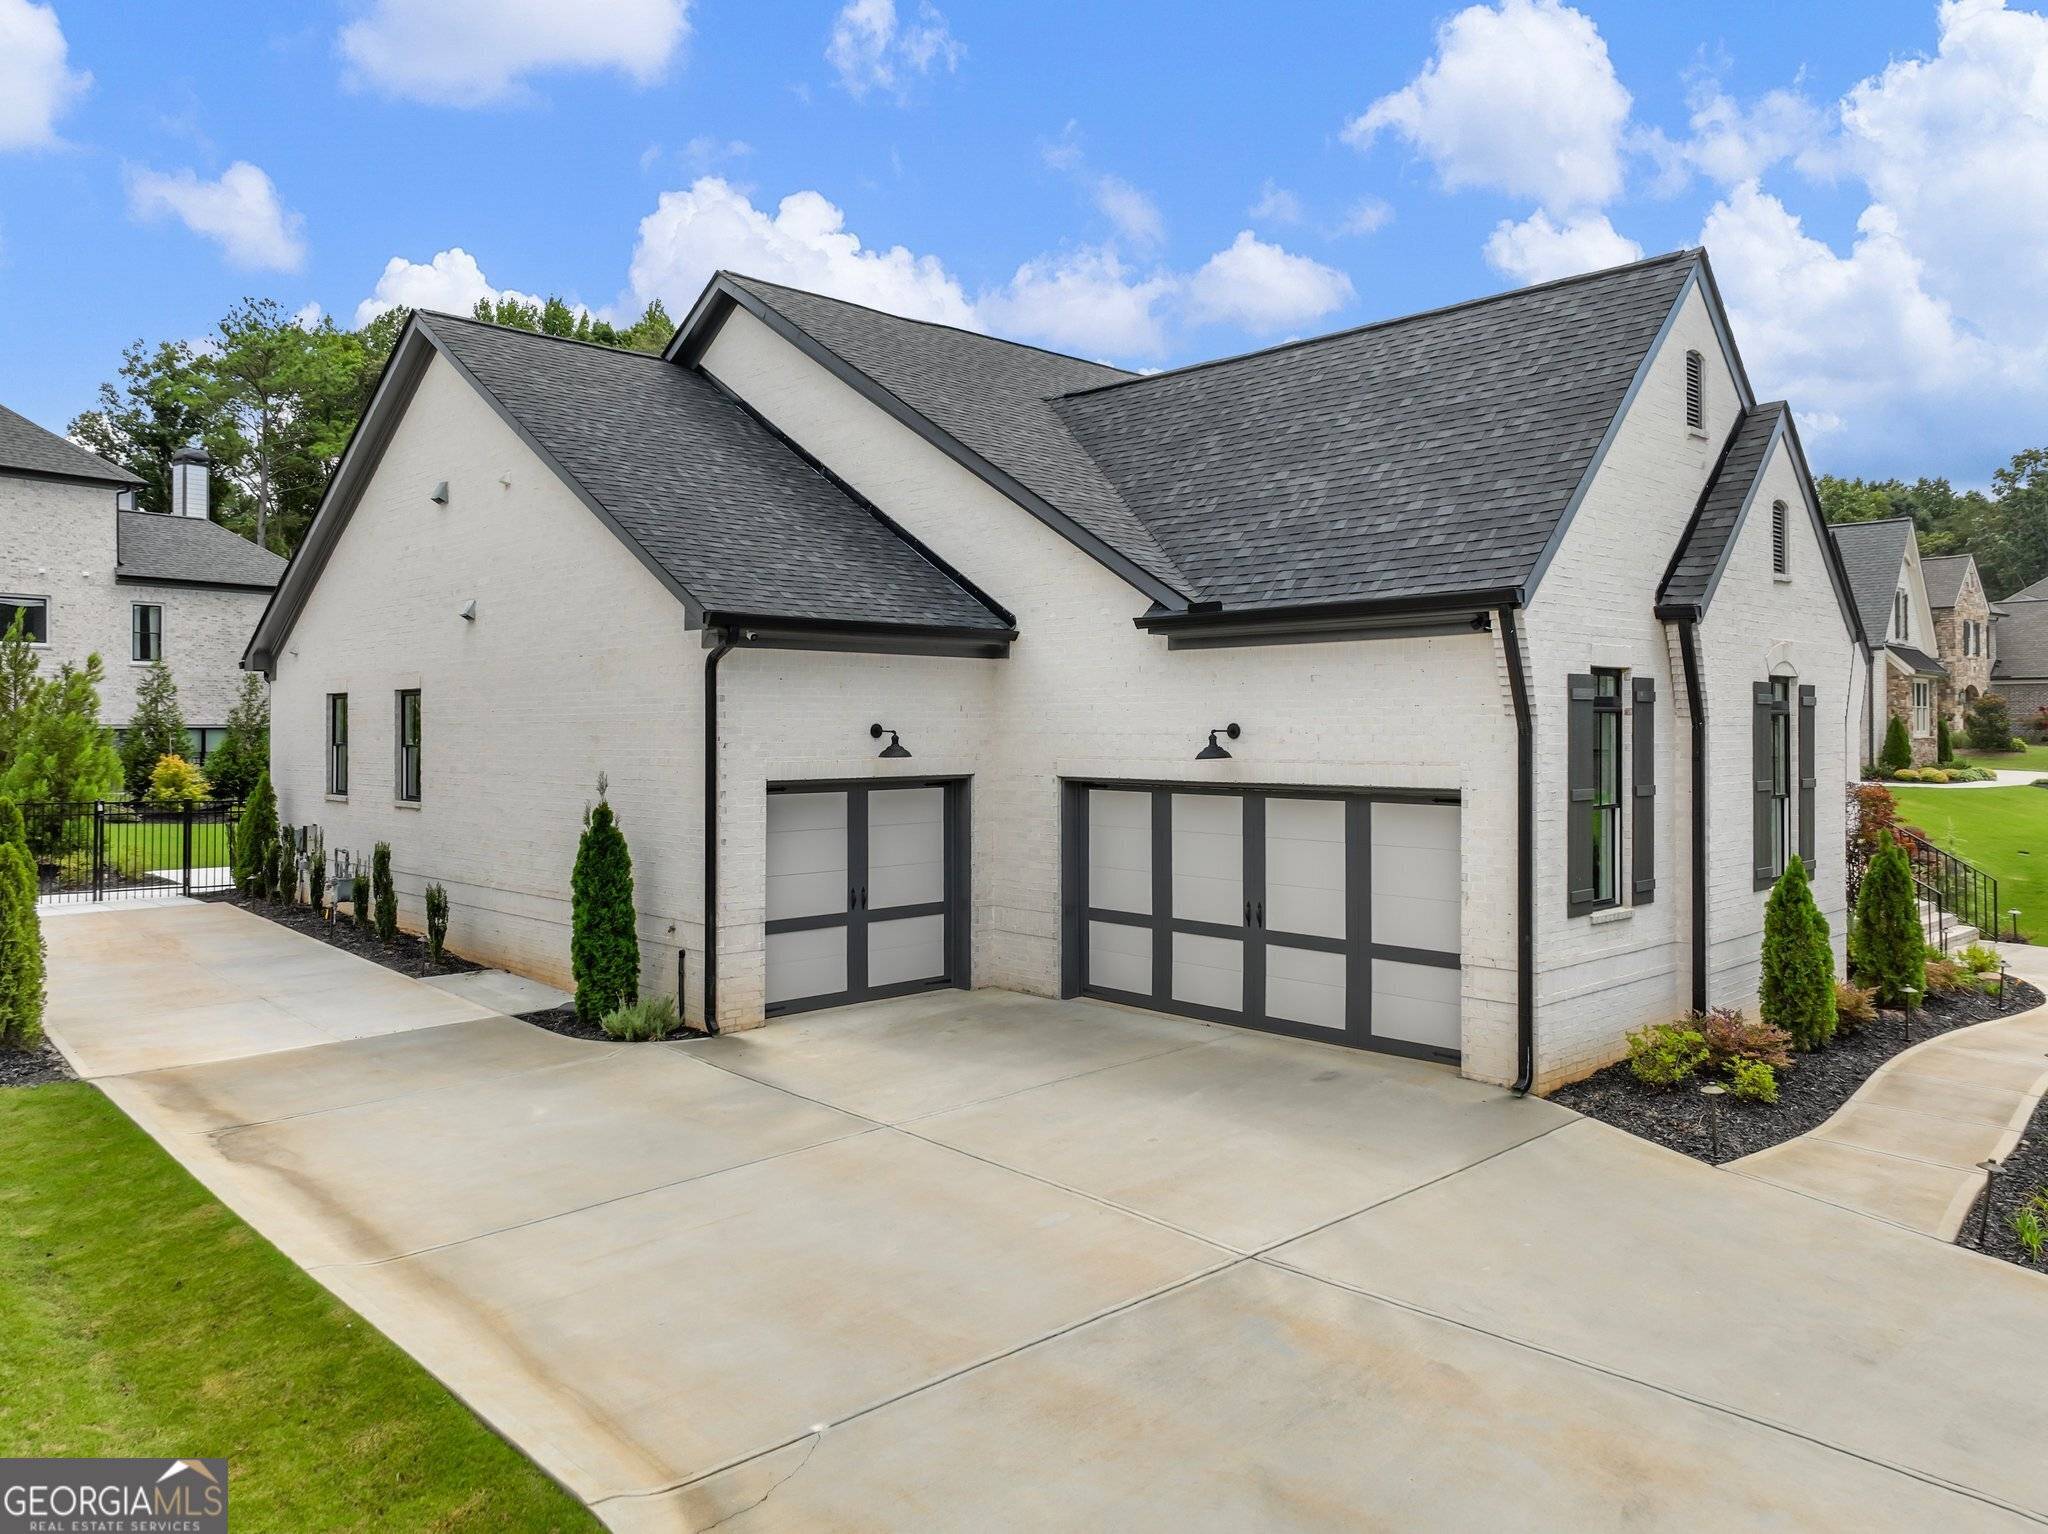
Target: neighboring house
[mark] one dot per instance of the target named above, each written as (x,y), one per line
(93,576)
(1456,685)
(1965,630)
(1907,675)
(2020,673)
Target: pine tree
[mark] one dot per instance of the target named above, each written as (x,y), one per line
(1898,748)
(1887,948)
(604,946)
(1797,992)
(155,730)
(62,755)
(244,752)
(255,835)
(21,937)
(383,892)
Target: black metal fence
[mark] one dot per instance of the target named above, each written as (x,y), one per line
(1958,893)
(102,848)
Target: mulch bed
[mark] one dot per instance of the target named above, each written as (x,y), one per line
(563,1020)
(1809,1091)
(405,953)
(2020,1175)
(33,1067)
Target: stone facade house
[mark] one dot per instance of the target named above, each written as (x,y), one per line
(1909,679)
(92,575)
(1965,631)
(2020,672)
(1455,686)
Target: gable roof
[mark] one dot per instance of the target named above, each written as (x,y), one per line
(1697,562)
(2029,593)
(190,551)
(1428,457)
(1872,554)
(733,519)
(29,449)
(2023,638)
(1943,575)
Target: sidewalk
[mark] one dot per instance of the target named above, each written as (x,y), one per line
(1909,1147)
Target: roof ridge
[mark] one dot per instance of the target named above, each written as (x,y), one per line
(538,335)
(958,330)
(1872,522)
(1689,253)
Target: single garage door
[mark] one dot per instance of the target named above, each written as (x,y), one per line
(1310,912)
(867,885)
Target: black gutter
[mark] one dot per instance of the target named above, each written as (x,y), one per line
(1525,855)
(1207,614)
(1696,702)
(718,653)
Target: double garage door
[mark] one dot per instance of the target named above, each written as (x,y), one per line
(1319,914)
(866,891)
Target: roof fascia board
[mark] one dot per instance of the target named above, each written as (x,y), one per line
(124,578)
(1452,607)
(359,459)
(53,476)
(1220,636)
(707,315)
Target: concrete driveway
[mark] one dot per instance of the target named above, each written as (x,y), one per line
(987,1261)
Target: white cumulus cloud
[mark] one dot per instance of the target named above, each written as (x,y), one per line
(1085,301)
(1540,248)
(1275,205)
(805,243)
(471,52)
(240,212)
(451,282)
(1135,215)
(1264,288)
(1520,98)
(872,49)
(36,83)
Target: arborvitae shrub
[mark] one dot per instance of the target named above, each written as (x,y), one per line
(21,937)
(255,835)
(1797,992)
(604,947)
(383,893)
(1887,948)
(1898,747)
(437,921)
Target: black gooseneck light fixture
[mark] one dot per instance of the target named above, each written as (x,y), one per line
(893,752)
(1215,752)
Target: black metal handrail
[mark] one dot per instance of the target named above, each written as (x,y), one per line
(1954,888)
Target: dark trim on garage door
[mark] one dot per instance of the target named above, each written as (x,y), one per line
(856,916)
(1357,946)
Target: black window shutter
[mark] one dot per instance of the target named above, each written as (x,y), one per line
(1760,786)
(1642,836)
(1579,809)
(1807,778)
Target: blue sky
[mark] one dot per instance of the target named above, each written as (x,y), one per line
(1148,184)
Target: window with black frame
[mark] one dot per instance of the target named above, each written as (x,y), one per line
(1781,772)
(33,613)
(409,746)
(145,631)
(337,743)
(1606,787)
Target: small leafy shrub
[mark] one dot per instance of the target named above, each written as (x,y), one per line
(437,921)
(1855,1005)
(1945,977)
(1665,1055)
(604,942)
(1913,774)
(383,892)
(1887,949)
(651,1017)
(1944,743)
(1876,811)
(359,900)
(175,781)
(1978,960)
(1753,1081)
(1797,992)
(1990,724)
(1898,747)
(1730,1036)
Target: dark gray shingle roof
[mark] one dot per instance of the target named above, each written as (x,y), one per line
(990,395)
(25,445)
(2030,593)
(155,547)
(1872,553)
(1691,576)
(2023,637)
(1943,574)
(737,518)
(1919,660)
(1426,455)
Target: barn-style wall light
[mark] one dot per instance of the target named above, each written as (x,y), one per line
(1214,752)
(893,752)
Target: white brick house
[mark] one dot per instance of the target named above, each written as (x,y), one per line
(94,576)
(1444,574)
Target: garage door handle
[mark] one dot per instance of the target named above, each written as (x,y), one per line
(1259,913)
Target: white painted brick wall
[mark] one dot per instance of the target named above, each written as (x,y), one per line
(57,540)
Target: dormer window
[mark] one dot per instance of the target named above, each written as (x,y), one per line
(1781,551)
(1695,391)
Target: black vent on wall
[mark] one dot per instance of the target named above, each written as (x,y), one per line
(1780,554)
(1695,392)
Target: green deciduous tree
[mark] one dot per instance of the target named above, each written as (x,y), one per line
(244,752)
(1989,724)
(1797,992)
(155,730)
(1887,948)
(604,945)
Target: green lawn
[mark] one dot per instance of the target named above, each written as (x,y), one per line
(2033,759)
(163,845)
(2003,831)
(138,1316)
